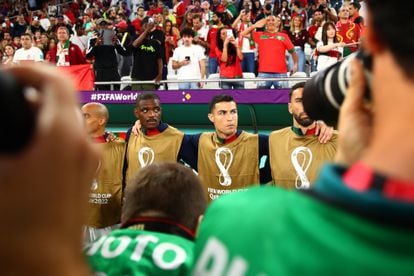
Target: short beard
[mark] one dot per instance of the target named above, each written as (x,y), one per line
(303,122)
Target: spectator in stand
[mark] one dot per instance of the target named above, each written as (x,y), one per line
(16,42)
(347,32)
(188,20)
(230,9)
(272,45)
(201,32)
(298,10)
(299,36)
(167,15)
(8,54)
(189,61)
(65,53)
(80,38)
(317,22)
(147,51)
(217,6)
(137,22)
(207,15)
(106,63)
(267,11)
(211,39)
(124,36)
(229,57)
(354,8)
(197,7)
(329,50)
(257,10)
(28,52)
(179,11)
(246,43)
(285,14)
(44,40)
(61,22)
(153,9)
(20,27)
(35,26)
(329,12)
(88,25)
(171,39)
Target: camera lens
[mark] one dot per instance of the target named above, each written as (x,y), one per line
(17,117)
(324,93)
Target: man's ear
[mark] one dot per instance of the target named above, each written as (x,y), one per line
(290,108)
(136,113)
(211,117)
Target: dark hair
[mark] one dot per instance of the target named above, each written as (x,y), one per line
(146,96)
(231,49)
(218,99)
(165,27)
(356,5)
(389,21)
(294,87)
(168,189)
(324,32)
(187,32)
(197,15)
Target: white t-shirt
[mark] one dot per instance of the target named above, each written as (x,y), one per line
(32,54)
(192,70)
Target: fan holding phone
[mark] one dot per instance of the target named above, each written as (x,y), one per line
(229,57)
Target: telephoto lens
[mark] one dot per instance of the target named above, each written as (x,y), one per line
(324,93)
(16,114)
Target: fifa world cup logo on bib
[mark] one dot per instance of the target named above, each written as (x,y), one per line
(302,181)
(226,155)
(145,156)
(94,184)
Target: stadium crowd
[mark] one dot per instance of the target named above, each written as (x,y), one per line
(262,38)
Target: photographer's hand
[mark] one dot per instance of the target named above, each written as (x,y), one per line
(44,188)
(355,119)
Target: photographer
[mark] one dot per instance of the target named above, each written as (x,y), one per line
(359,218)
(103,46)
(44,186)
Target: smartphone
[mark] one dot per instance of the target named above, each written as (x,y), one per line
(107,36)
(247,9)
(187,58)
(229,33)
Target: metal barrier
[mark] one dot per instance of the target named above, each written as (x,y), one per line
(126,82)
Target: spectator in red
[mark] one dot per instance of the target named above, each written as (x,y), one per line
(347,31)
(211,39)
(272,45)
(229,58)
(137,22)
(354,8)
(178,11)
(171,38)
(298,10)
(217,6)
(65,53)
(285,14)
(69,14)
(153,9)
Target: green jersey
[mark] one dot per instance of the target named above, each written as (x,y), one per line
(293,233)
(138,252)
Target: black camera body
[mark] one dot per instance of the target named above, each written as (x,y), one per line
(17,116)
(324,93)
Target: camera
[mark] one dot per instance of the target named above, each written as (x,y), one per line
(324,93)
(16,113)
(187,58)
